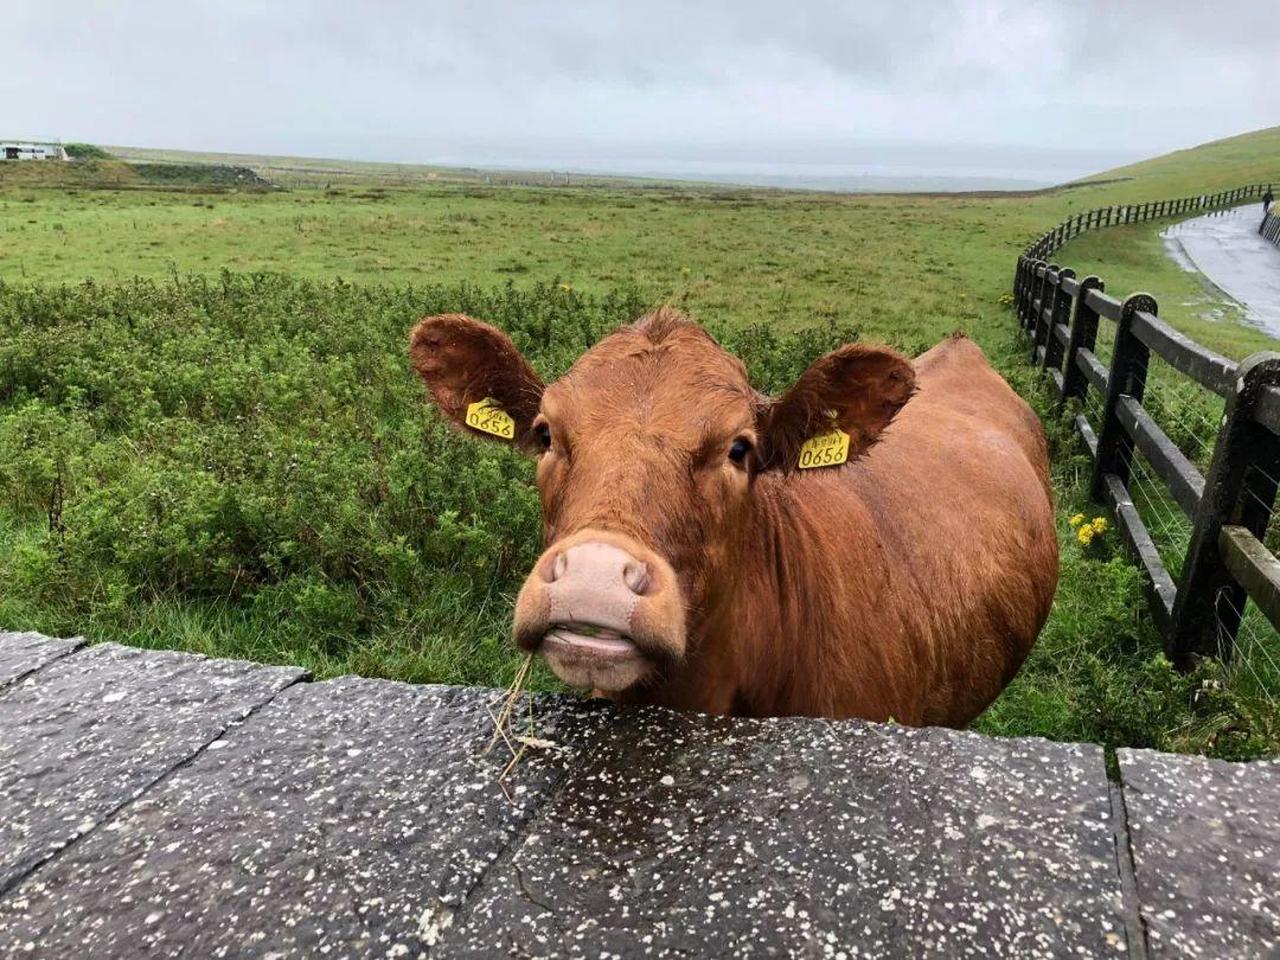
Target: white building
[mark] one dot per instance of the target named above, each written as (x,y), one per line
(31,150)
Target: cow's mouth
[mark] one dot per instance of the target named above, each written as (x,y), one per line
(591,657)
(588,640)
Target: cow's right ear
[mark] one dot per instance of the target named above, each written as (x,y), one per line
(475,374)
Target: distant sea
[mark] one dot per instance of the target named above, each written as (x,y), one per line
(834,177)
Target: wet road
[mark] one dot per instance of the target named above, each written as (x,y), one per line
(1226,248)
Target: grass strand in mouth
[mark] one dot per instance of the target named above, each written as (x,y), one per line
(504,723)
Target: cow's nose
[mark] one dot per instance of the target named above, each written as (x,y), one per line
(598,602)
(595,583)
(599,565)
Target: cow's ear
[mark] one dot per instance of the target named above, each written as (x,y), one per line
(856,388)
(465,363)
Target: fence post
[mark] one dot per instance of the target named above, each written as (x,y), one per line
(1018,273)
(1032,287)
(1128,376)
(1034,292)
(1028,291)
(1037,299)
(1060,305)
(1239,489)
(1048,290)
(1028,265)
(1083,333)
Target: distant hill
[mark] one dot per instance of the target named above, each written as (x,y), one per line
(92,171)
(56,173)
(1246,158)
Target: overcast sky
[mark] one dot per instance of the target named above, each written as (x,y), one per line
(738,82)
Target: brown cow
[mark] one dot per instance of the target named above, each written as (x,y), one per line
(689,564)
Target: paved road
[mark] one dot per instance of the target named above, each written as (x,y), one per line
(160,804)
(1226,248)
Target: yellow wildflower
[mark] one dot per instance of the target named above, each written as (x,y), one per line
(1085,535)
(566,287)
(1100,525)
(1077,520)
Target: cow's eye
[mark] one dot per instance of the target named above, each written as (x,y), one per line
(542,433)
(738,452)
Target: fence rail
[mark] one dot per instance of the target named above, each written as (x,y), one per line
(1198,607)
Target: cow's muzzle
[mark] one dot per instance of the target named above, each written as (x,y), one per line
(605,611)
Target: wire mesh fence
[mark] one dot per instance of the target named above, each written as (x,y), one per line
(1190,415)
(1192,418)
(1104,345)
(1253,658)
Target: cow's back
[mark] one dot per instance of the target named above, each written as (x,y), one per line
(959,488)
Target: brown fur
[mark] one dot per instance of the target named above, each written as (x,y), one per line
(909,583)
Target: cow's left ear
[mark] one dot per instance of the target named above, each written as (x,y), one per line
(857,388)
(465,363)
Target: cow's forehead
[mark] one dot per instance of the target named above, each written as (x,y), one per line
(686,381)
(629,354)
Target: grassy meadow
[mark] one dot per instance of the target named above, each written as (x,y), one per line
(210,438)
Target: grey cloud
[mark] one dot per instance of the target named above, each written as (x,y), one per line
(485,79)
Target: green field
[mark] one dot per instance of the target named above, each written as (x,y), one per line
(217,443)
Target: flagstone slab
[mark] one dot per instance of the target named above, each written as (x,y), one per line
(697,837)
(346,818)
(1205,836)
(24,653)
(91,731)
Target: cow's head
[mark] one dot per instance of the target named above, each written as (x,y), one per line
(648,450)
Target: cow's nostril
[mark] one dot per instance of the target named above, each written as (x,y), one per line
(636,576)
(559,565)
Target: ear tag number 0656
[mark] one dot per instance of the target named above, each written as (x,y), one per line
(487,417)
(825,450)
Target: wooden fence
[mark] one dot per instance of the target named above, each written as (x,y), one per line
(1229,505)
(1072,227)
(1270,228)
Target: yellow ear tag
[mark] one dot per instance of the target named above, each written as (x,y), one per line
(825,450)
(487,417)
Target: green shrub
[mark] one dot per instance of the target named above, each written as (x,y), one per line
(85,151)
(252,456)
